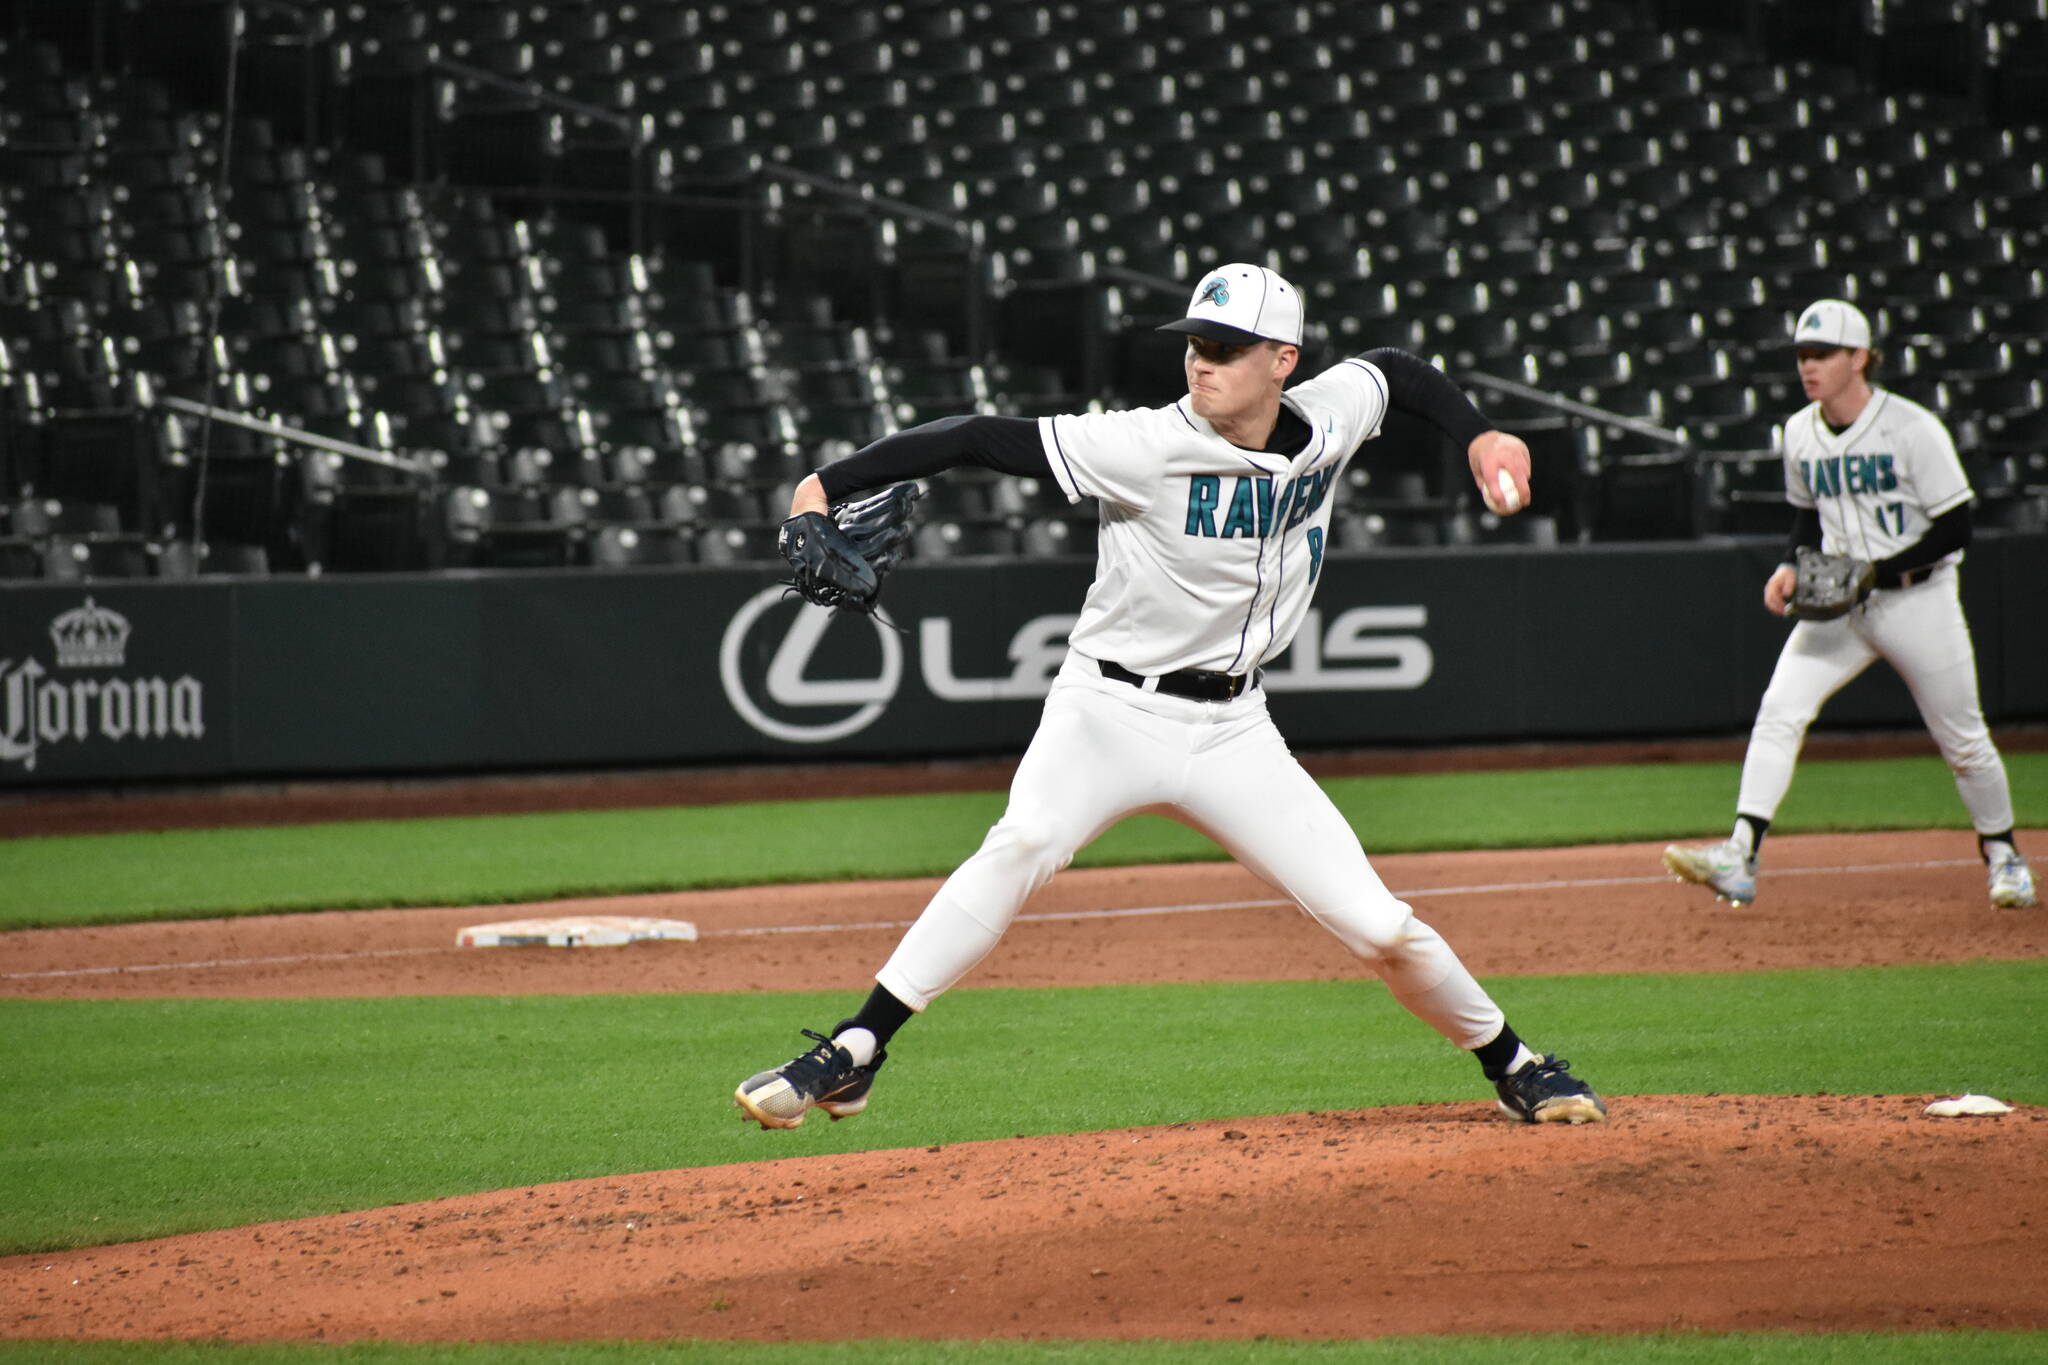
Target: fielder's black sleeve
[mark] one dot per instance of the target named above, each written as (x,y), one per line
(1008,445)
(1946,533)
(1422,390)
(1805,531)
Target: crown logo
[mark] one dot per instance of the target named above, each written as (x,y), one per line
(90,636)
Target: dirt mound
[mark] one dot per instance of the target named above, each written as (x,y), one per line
(1686,1212)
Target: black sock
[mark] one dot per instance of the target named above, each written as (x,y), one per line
(1495,1056)
(1757,828)
(1983,839)
(882,1015)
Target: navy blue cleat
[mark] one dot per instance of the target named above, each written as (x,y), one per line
(1545,1091)
(824,1078)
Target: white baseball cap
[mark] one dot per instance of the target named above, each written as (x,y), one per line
(1832,322)
(1241,303)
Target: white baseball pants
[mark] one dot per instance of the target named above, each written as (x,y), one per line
(1105,750)
(1921,632)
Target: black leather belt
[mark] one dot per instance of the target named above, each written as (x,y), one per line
(1912,576)
(1194,683)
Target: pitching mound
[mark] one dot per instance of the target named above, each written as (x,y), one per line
(1683,1212)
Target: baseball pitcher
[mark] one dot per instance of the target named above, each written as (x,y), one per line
(1214,515)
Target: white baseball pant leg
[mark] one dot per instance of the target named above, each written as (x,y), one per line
(1922,633)
(1818,660)
(1105,750)
(1088,765)
(1253,797)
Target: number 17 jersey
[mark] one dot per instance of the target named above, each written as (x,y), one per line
(1878,484)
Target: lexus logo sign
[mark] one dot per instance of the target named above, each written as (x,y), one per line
(788,684)
(1365,649)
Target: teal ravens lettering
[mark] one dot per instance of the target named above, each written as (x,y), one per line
(1217,549)
(1877,484)
(1837,474)
(1253,510)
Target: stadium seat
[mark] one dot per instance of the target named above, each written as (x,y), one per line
(737,545)
(1051,536)
(20,558)
(951,539)
(1746,495)
(508,528)
(71,558)
(1584,160)
(1651,496)
(633,547)
(182,559)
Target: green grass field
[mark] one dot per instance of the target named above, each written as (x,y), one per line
(121,1110)
(116,1116)
(104,879)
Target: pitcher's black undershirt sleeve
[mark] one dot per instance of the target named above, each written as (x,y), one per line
(1008,445)
(1422,390)
(1949,532)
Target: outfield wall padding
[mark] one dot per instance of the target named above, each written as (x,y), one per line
(480,672)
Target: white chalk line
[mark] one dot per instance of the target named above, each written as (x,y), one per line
(220,962)
(1484,888)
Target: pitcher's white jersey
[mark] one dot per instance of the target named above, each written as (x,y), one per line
(1208,553)
(1879,483)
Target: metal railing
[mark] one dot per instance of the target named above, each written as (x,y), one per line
(267,427)
(1585,412)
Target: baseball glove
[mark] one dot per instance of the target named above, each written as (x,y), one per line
(842,560)
(1829,585)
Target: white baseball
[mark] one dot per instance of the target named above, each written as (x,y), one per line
(1510,500)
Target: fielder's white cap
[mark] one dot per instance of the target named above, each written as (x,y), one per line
(1241,303)
(1832,322)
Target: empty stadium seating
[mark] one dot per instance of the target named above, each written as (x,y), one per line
(416,258)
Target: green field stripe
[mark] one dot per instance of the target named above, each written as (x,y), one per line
(1756,1348)
(129,1119)
(94,879)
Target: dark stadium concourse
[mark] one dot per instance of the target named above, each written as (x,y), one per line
(298,289)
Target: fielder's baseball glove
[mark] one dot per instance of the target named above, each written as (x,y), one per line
(841,560)
(1829,585)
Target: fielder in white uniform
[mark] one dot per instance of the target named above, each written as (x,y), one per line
(1214,515)
(1874,476)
